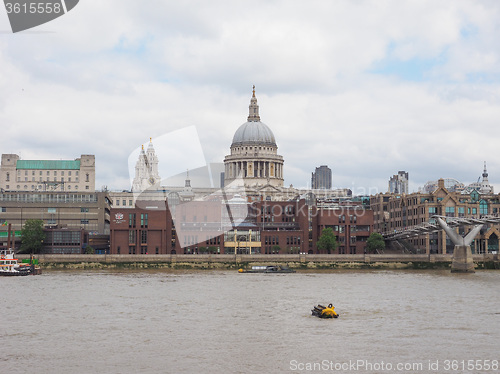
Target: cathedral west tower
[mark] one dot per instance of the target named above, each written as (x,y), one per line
(254,153)
(146,169)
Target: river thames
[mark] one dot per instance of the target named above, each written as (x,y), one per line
(226,322)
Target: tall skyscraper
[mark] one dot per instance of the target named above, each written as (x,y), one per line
(399,183)
(322,178)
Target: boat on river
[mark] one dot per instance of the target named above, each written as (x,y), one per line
(321,311)
(268,269)
(9,266)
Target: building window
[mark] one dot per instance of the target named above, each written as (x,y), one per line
(131,220)
(450,211)
(144,220)
(8,177)
(144,236)
(483,207)
(84,210)
(131,236)
(84,221)
(117,249)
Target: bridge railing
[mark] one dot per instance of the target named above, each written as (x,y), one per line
(430,227)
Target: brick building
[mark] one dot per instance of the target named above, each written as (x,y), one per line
(238,227)
(352,225)
(394,212)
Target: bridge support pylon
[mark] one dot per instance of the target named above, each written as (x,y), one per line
(462,260)
(462,254)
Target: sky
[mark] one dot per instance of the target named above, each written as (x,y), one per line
(366,87)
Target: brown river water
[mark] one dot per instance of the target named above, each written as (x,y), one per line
(226,322)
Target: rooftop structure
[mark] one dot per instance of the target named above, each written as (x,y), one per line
(47,175)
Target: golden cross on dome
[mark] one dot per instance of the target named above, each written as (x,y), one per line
(253,90)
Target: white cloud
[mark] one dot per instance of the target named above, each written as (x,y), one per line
(112,73)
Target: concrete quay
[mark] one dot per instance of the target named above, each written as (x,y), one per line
(295,261)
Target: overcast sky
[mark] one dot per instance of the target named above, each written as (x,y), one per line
(365,87)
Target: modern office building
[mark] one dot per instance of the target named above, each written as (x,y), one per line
(321,178)
(85,214)
(47,175)
(398,183)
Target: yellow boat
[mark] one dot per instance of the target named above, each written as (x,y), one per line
(324,312)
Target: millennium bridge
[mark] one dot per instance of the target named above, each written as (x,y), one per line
(462,255)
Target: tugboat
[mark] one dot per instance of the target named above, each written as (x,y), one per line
(324,312)
(268,269)
(9,265)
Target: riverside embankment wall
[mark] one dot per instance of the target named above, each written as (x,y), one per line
(389,261)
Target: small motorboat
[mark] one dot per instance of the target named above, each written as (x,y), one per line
(268,269)
(321,311)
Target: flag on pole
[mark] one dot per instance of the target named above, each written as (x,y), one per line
(4,223)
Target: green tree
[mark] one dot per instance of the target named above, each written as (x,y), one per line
(276,248)
(327,240)
(375,243)
(32,236)
(89,250)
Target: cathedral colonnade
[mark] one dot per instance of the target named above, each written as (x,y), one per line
(254,169)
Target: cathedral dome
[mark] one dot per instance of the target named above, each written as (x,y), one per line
(253,132)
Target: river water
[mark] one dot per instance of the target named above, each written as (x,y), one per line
(226,322)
